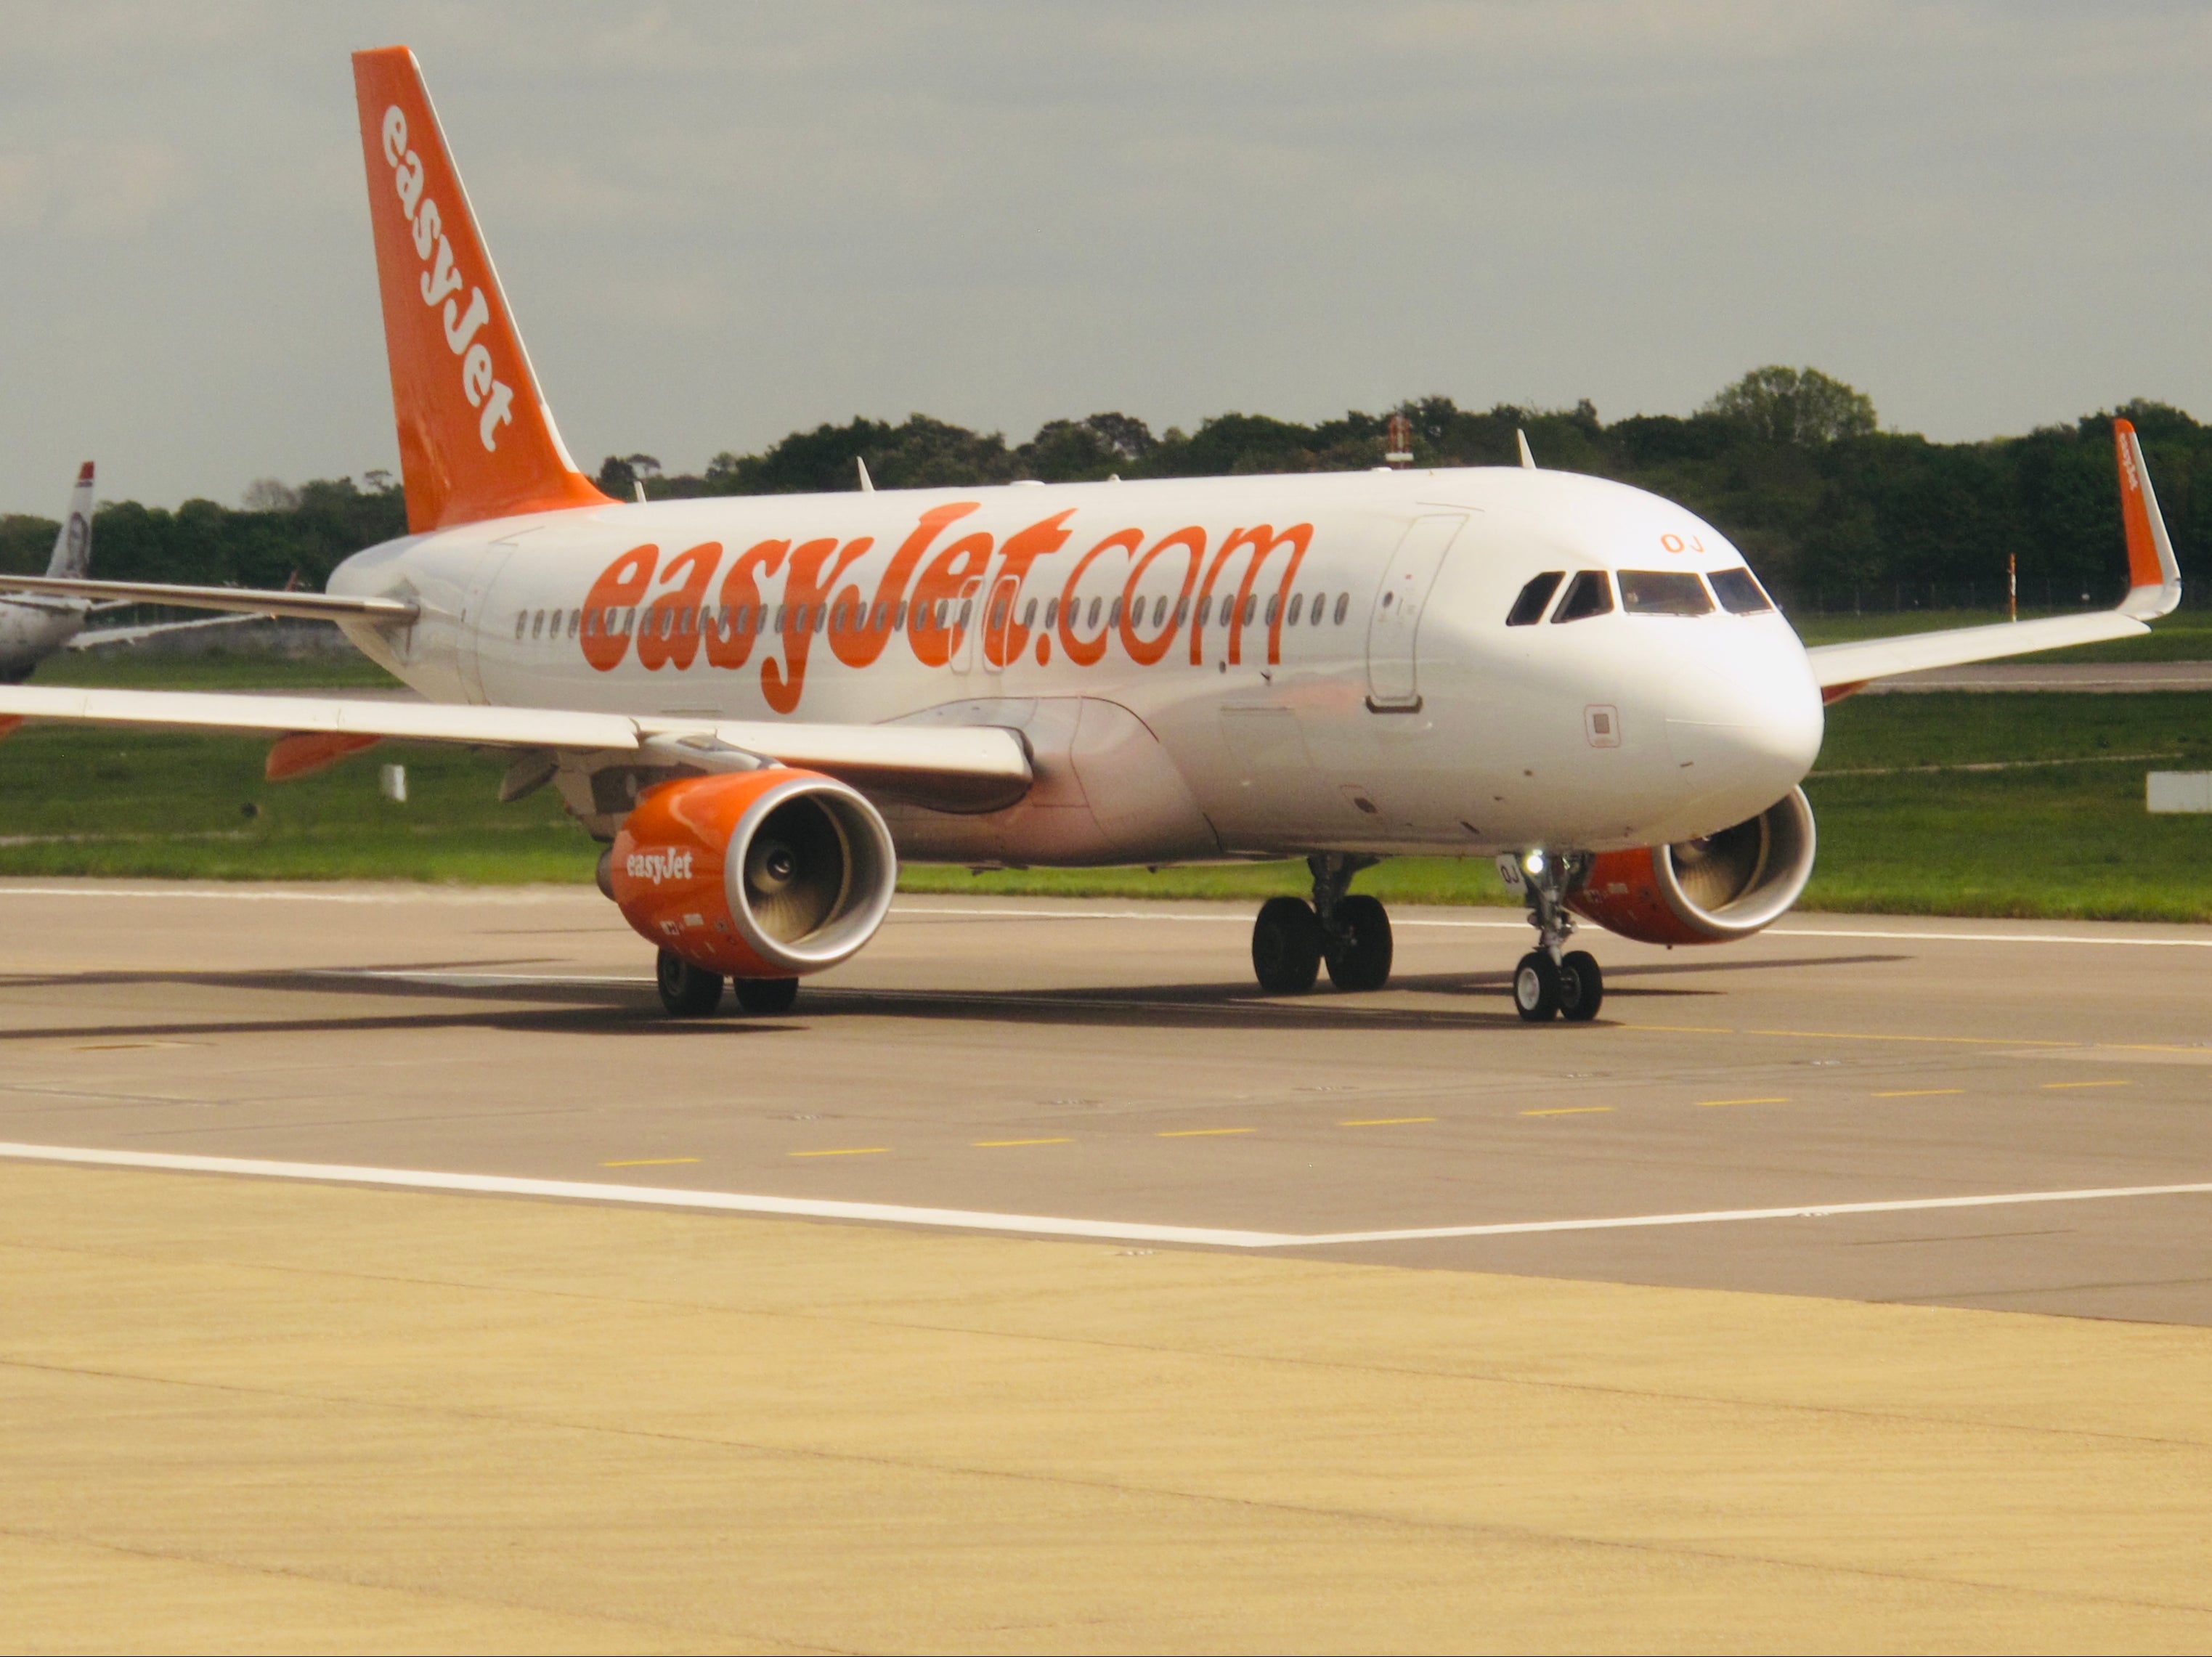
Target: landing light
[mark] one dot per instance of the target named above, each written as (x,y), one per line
(1533,862)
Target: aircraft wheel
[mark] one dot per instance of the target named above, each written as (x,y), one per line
(1582,987)
(1536,986)
(1359,953)
(1286,945)
(688,991)
(765,995)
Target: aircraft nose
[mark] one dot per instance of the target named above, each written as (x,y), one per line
(1745,722)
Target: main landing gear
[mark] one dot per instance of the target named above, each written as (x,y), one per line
(1292,938)
(1548,983)
(690,991)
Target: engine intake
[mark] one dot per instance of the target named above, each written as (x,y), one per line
(758,874)
(1727,885)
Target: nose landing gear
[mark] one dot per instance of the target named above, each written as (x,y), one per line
(1550,982)
(1351,934)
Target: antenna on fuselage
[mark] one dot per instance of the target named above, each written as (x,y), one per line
(1528,460)
(638,484)
(868,484)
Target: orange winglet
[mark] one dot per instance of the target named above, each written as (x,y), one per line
(2143,569)
(9,725)
(311,750)
(1832,694)
(476,438)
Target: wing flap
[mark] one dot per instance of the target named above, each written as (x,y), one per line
(956,769)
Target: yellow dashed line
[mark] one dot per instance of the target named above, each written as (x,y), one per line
(2048,1085)
(1202,1133)
(1682,1029)
(650,1162)
(1385,1121)
(1001,1144)
(1917,1092)
(1705,1102)
(1959,1040)
(1569,1110)
(852,1151)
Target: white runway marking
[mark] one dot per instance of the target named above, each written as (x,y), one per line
(1035,1225)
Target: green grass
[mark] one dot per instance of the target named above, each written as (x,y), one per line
(2065,839)
(131,670)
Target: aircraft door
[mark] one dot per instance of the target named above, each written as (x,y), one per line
(1393,625)
(999,622)
(476,618)
(966,624)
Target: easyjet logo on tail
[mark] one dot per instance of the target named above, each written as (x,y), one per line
(442,282)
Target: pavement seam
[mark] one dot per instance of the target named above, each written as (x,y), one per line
(1283,1360)
(1251,1504)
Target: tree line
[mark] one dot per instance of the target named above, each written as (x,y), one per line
(1833,512)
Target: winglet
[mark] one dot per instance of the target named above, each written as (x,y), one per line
(2153,576)
(1528,460)
(476,438)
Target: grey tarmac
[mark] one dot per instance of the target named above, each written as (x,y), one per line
(1110,1063)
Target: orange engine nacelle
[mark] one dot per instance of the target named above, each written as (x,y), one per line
(758,874)
(1726,886)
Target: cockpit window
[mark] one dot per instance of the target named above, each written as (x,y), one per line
(1529,608)
(1663,592)
(1589,594)
(1739,591)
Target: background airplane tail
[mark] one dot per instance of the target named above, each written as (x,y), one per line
(476,438)
(73,546)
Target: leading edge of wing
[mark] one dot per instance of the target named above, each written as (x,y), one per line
(979,761)
(2154,590)
(305,606)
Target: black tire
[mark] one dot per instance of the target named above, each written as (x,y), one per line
(1582,988)
(1359,955)
(688,991)
(1286,945)
(1536,988)
(765,995)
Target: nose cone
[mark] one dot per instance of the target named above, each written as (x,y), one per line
(1743,722)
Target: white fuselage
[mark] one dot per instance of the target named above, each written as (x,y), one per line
(1163,661)
(31,630)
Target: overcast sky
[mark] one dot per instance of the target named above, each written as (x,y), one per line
(717,223)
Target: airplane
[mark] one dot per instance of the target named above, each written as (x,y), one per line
(759,705)
(36,625)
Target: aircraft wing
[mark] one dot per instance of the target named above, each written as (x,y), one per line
(961,768)
(131,635)
(307,606)
(2154,588)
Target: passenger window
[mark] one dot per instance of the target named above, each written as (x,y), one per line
(1528,608)
(1251,607)
(1739,591)
(1159,609)
(1051,613)
(821,616)
(1274,608)
(538,627)
(521,622)
(1183,609)
(1093,622)
(1113,613)
(1029,615)
(967,605)
(1589,594)
(1298,608)
(575,620)
(1343,600)
(1663,592)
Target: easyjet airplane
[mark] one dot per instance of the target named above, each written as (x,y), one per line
(760,704)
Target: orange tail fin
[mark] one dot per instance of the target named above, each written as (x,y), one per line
(476,438)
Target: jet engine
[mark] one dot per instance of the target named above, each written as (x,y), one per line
(773,873)
(1725,886)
